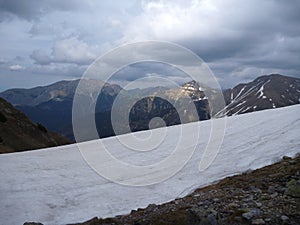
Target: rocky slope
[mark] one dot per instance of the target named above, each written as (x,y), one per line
(265,92)
(18,133)
(269,195)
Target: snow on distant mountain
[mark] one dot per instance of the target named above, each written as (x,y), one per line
(265,92)
(56,186)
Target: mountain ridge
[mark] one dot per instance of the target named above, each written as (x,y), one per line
(265,92)
(52,105)
(18,133)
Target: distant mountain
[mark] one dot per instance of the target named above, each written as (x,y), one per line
(265,92)
(18,133)
(177,113)
(173,105)
(52,105)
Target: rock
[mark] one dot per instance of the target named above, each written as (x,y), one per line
(197,211)
(258,204)
(258,221)
(216,200)
(284,218)
(213,212)
(248,198)
(274,195)
(151,207)
(255,190)
(286,157)
(237,218)
(200,203)
(293,188)
(252,213)
(233,205)
(212,219)
(271,189)
(206,202)
(32,223)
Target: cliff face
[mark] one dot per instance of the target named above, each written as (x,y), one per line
(18,133)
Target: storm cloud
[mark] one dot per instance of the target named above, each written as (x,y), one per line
(239,40)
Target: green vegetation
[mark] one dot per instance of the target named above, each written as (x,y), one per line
(293,188)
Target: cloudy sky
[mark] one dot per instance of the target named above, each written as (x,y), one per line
(43,41)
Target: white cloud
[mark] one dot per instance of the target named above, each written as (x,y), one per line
(16,67)
(251,36)
(73,51)
(69,50)
(59,69)
(175,20)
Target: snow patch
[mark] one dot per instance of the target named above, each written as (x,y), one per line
(261,90)
(190,88)
(200,99)
(240,92)
(56,186)
(245,110)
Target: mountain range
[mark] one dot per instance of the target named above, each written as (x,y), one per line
(52,105)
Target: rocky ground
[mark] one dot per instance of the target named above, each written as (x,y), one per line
(270,195)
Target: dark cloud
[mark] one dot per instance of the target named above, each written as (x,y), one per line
(240,40)
(32,9)
(40,57)
(252,37)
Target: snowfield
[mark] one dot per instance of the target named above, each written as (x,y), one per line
(57,186)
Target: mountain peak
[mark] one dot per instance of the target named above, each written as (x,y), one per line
(267,91)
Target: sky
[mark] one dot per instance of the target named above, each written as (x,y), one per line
(44,41)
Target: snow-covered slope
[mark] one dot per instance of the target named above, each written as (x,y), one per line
(56,186)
